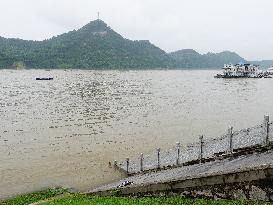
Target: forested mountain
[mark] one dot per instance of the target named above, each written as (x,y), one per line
(188,58)
(93,46)
(97,46)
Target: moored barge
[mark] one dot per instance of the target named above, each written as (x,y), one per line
(240,71)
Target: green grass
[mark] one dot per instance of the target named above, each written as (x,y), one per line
(85,200)
(34,197)
(82,199)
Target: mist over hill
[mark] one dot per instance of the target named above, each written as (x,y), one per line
(97,46)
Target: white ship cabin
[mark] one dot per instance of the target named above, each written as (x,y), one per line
(241,70)
(270,70)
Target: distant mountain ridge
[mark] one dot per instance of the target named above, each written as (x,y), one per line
(97,46)
(93,46)
(189,58)
(263,63)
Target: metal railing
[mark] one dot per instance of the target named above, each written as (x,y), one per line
(199,151)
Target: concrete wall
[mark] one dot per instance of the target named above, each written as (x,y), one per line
(255,185)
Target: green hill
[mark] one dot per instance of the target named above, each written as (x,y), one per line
(93,46)
(189,58)
(97,46)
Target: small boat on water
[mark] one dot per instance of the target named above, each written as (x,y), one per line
(50,78)
(241,71)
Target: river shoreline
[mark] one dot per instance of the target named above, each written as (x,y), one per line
(65,132)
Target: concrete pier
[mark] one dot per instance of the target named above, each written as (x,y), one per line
(238,165)
(247,176)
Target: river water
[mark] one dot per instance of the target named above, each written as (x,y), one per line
(64,132)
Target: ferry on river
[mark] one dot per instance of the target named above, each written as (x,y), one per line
(241,71)
(270,70)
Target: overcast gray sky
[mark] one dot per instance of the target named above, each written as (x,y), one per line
(243,26)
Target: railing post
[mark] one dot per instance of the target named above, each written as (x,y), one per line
(266,129)
(178,152)
(158,157)
(141,162)
(201,137)
(230,136)
(127,165)
(115,164)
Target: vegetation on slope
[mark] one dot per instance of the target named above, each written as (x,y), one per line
(188,58)
(57,197)
(97,46)
(34,197)
(93,46)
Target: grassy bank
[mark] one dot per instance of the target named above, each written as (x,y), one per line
(62,197)
(34,197)
(83,200)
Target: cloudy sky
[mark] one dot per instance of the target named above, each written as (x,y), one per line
(243,26)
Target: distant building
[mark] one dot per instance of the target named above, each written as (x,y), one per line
(100,33)
(18,65)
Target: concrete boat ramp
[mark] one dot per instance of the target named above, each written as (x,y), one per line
(244,173)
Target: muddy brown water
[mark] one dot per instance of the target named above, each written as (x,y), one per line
(64,132)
